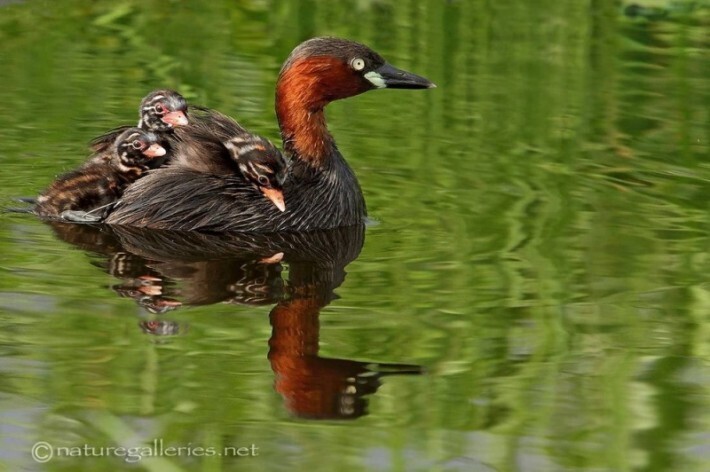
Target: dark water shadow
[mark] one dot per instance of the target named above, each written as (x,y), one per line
(165,270)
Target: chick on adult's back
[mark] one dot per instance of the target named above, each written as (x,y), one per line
(102,179)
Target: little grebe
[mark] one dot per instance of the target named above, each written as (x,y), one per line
(101,180)
(321,190)
(161,111)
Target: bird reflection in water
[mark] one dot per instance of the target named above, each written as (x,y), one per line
(247,269)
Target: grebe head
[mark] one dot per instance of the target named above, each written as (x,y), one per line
(162,110)
(135,148)
(319,71)
(261,164)
(327,69)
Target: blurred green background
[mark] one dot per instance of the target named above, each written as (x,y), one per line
(541,247)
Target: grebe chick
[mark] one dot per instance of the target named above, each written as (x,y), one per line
(101,180)
(261,164)
(217,146)
(161,111)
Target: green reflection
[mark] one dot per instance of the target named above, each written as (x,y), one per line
(542,244)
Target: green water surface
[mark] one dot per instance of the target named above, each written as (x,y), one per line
(537,269)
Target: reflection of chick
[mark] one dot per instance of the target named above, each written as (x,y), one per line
(261,284)
(147,291)
(224,280)
(161,327)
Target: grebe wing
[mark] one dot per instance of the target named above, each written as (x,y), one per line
(181,198)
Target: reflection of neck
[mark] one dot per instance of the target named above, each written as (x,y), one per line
(295,329)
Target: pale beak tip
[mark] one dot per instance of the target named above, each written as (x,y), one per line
(276,197)
(176,118)
(155,150)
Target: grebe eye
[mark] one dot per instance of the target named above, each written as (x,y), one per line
(263,180)
(137,144)
(357,63)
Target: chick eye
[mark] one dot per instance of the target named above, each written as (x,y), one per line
(137,144)
(357,63)
(263,180)
(160,109)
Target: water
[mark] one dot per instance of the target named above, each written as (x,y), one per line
(537,273)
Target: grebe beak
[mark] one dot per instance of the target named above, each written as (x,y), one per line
(388,76)
(155,150)
(175,118)
(276,197)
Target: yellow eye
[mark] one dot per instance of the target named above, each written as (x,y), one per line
(357,63)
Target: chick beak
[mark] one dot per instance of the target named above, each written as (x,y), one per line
(155,150)
(276,197)
(175,118)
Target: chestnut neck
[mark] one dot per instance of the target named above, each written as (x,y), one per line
(300,100)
